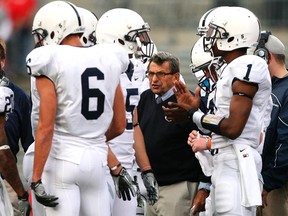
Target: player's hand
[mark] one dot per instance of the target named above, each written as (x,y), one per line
(151,186)
(24,205)
(199,201)
(41,195)
(124,185)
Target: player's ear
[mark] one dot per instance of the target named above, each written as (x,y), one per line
(177,76)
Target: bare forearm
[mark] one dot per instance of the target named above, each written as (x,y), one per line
(9,170)
(140,150)
(42,149)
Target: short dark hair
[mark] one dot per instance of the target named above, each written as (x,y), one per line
(160,57)
(279,58)
(2,49)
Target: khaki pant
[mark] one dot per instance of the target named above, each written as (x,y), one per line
(277,201)
(174,200)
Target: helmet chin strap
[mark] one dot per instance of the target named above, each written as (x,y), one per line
(213,67)
(138,52)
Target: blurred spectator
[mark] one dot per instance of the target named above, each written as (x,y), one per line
(18,16)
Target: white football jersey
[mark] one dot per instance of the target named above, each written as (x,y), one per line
(248,68)
(122,146)
(85,79)
(6,100)
(35,108)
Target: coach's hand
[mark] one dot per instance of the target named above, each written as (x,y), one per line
(123,185)
(151,186)
(41,195)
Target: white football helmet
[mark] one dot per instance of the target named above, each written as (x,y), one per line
(127,28)
(55,21)
(90,21)
(205,66)
(206,18)
(233,28)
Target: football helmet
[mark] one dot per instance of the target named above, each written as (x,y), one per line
(55,21)
(127,28)
(233,28)
(90,21)
(205,66)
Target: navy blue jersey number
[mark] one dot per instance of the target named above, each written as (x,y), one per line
(88,93)
(249,66)
(9,104)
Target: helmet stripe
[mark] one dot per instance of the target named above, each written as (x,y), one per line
(77,14)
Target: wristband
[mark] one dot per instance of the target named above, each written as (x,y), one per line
(24,196)
(115,167)
(136,124)
(208,143)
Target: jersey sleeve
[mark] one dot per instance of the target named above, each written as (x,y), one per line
(40,62)
(249,68)
(6,100)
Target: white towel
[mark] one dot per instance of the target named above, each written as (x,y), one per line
(250,186)
(205,160)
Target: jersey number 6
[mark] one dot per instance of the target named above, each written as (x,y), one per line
(88,93)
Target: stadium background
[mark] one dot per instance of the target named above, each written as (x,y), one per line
(173,26)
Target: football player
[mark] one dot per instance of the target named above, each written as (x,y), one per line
(127,28)
(243,92)
(75,93)
(8,167)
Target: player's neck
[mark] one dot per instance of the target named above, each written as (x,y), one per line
(72,40)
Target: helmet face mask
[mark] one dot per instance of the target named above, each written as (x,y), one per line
(213,33)
(205,66)
(39,35)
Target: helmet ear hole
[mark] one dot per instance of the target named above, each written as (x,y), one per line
(230,39)
(85,40)
(52,35)
(121,41)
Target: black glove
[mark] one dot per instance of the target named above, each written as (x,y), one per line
(151,186)
(123,184)
(24,205)
(41,195)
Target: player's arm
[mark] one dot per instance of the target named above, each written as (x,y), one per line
(44,133)
(8,167)
(43,138)
(118,123)
(239,111)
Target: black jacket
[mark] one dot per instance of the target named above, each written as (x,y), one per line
(275,150)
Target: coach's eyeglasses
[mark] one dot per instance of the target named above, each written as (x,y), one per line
(159,75)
